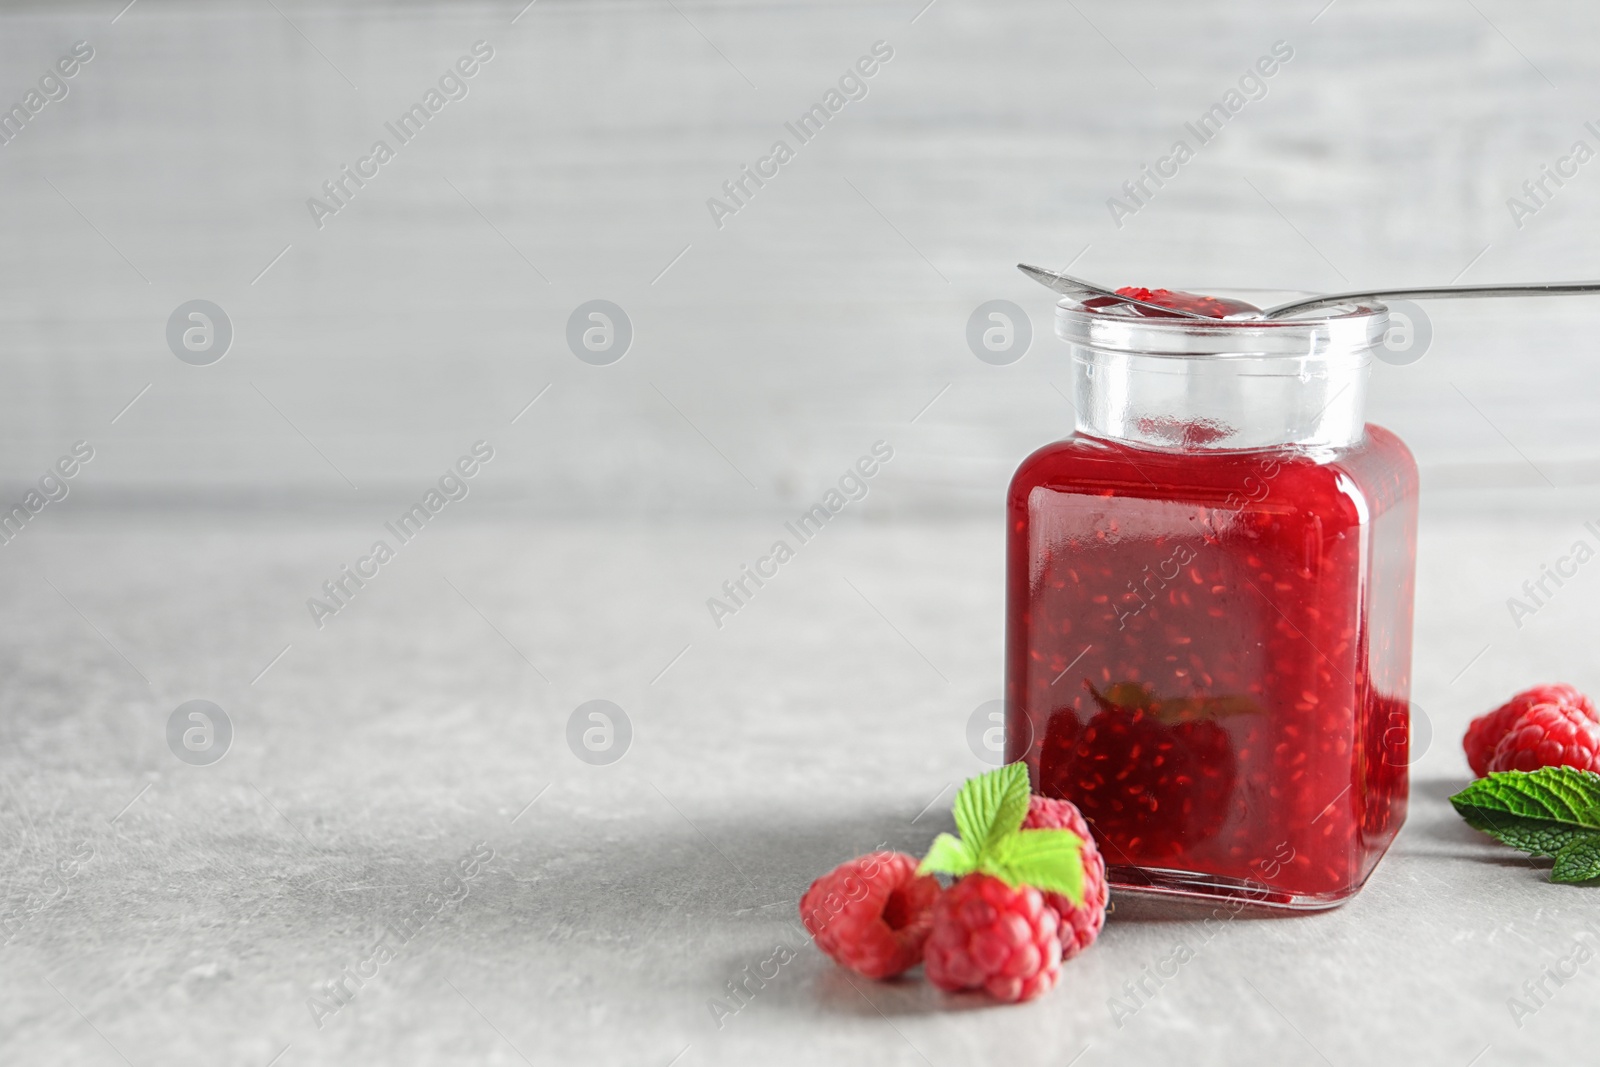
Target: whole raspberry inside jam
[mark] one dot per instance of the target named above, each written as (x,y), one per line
(1216,307)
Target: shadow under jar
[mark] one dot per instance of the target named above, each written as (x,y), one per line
(1209,604)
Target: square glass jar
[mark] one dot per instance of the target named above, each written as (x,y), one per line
(1209,604)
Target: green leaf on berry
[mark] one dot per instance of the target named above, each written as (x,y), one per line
(1051,860)
(949,855)
(1553,811)
(992,805)
(1579,861)
(989,811)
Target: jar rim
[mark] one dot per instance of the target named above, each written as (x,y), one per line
(1351,330)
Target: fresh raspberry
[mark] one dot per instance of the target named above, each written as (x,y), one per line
(1549,735)
(872,914)
(989,936)
(1217,307)
(1486,731)
(1080,924)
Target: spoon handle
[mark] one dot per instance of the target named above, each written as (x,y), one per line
(1436,292)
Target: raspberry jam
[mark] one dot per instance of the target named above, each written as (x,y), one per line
(1217,307)
(1209,605)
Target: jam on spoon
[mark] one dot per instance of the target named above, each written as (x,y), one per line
(1212,307)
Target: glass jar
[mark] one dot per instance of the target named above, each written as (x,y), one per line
(1209,604)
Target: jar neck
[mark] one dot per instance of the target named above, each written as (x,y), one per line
(1182,385)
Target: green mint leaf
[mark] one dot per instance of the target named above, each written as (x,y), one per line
(948,855)
(1579,861)
(1048,860)
(992,806)
(1542,811)
(989,811)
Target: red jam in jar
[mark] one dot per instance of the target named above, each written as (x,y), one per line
(1210,604)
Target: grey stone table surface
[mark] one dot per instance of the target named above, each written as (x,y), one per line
(156,911)
(187,914)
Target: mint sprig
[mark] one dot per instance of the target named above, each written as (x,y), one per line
(1579,861)
(989,811)
(992,806)
(1553,811)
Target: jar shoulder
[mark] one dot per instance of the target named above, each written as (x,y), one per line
(1358,480)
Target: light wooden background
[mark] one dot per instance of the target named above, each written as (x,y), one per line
(826,314)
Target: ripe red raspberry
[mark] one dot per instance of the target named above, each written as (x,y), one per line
(872,914)
(989,936)
(1080,924)
(1549,735)
(1486,731)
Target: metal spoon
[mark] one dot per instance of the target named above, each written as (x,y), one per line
(1082,290)
(1077,287)
(1435,292)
